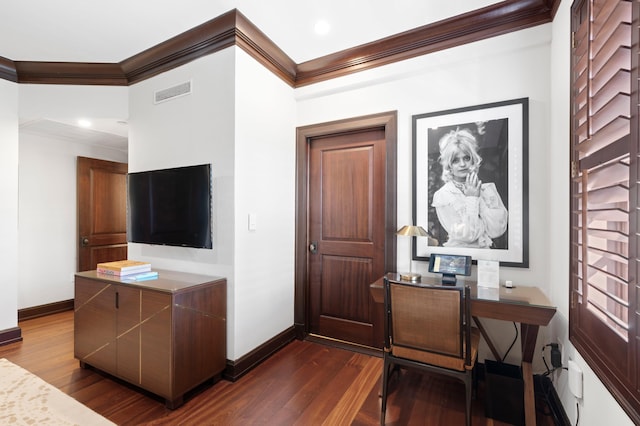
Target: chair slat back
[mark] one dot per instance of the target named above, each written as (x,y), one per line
(427,318)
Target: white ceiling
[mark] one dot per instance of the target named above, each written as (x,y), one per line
(104,132)
(89,31)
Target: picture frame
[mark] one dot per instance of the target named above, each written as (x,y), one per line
(501,132)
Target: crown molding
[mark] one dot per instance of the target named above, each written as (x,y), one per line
(207,38)
(80,73)
(233,28)
(8,70)
(254,42)
(229,29)
(494,20)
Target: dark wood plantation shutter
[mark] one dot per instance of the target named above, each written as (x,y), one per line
(603,318)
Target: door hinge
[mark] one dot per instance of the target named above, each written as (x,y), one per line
(573,39)
(574,169)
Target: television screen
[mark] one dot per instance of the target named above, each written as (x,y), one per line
(170,206)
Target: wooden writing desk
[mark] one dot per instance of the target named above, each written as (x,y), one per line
(525,305)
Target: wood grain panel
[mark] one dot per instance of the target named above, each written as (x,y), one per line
(347,175)
(128,333)
(203,334)
(156,348)
(350,300)
(210,300)
(95,331)
(200,322)
(107,217)
(357,332)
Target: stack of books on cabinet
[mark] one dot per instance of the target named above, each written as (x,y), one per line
(127,270)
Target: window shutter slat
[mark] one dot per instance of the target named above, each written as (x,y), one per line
(608,175)
(616,108)
(615,130)
(613,69)
(602,52)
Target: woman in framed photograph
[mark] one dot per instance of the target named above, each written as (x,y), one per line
(471,212)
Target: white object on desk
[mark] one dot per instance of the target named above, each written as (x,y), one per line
(489,273)
(488,293)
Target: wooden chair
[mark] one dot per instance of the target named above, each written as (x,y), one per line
(429,328)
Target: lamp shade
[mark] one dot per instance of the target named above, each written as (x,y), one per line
(412,231)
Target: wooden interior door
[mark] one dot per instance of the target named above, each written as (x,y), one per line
(102,212)
(346,234)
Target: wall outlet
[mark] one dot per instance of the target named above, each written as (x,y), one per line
(564,356)
(556,355)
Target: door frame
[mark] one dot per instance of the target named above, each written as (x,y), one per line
(386,121)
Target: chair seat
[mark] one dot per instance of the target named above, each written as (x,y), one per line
(444,361)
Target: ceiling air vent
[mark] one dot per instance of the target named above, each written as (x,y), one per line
(172,92)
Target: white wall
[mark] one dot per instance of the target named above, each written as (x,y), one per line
(240,118)
(507,67)
(265,187)
(9,204)
(189,130)
(597,407)
(47,216)
(61,102)
(194,129)
(47,196)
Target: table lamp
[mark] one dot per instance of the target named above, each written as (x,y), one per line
(411,231)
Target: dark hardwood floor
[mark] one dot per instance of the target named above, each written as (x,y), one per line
(303,384)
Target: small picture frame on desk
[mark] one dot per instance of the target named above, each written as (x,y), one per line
(450,265)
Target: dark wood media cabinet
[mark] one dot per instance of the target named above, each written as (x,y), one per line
(166,335)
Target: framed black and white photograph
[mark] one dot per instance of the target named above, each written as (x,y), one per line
(470,182)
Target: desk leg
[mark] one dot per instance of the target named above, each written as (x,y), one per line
(484,334)
(529,395)
(529,334)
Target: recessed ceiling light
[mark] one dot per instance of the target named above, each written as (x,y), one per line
(84,123)
(322,27)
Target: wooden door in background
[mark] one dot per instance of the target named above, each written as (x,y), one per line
(346,233)
(102,212)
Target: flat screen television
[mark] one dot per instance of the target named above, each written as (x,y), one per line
(170,206)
